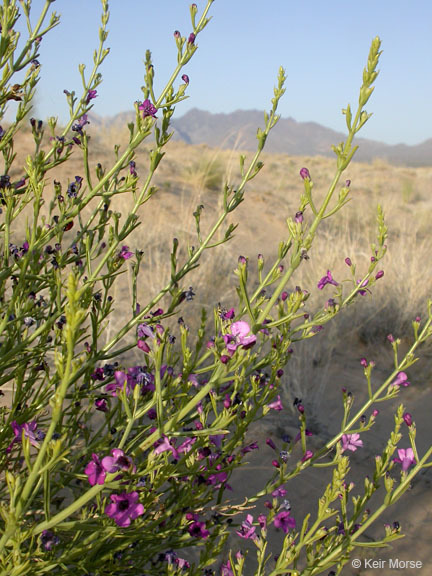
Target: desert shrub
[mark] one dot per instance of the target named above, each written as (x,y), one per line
(119,438)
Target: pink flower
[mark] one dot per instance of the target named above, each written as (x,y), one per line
(95,472)
(124,508)
(405,457)
(276,405)
(118,461)
(166,446)
(401,380)
(351,442)
(239,337)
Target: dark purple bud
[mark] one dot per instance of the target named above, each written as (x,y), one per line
(408,419)
(185,78)
(379,274)
(348,261)
(191,39)
(177,34)
(284,296)
(305,174)
(347,183)
(390,338)
(307,456)
(299,217)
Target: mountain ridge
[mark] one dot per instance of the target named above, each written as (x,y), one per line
(238,130)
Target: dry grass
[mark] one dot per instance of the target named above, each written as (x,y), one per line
(189,176)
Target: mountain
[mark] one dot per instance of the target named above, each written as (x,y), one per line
(238,130)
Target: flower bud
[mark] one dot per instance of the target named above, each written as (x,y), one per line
(305,174)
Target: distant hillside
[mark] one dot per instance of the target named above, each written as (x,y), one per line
(238,130)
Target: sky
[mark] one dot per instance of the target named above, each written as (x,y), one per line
(322,45)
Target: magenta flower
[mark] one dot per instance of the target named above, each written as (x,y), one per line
(348,261)
(120,378)
(198,530)
(118,461)
(95,472)
(284,521)
(147,109)
(327,279)
(185,78)
(166,446)
(124,508)
(226,569)
(405,457)
(29,431)
(247,531)
(351,442)
(408,419)
(307,456)
(101,404)
(276,405)
(401,380)
(239,337)
(125,253)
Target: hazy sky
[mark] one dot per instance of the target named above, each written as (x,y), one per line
(322,45)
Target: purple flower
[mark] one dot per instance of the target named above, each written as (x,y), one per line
(239,337)
(90,95)
(247,531)
(80,124)
(132,169)
(49,539)
(147,109)
(351,442)
(185,78)
(124,508)
(95,472)
(299,217)
(284,521)
(304,173)
(118,461)
(125,253)
(405,457)
(327,279)
(401,380)
(276,405)
(279,492)
(348,261)
(379,274)
(191,39)
(29,429)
